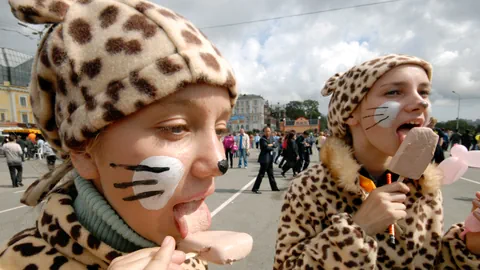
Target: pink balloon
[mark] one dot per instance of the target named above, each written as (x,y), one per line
(459,151)
(473,158)
(453,168)
(472,223)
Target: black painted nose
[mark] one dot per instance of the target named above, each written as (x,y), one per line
(223,166)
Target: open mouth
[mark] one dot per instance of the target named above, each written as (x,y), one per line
(403,129)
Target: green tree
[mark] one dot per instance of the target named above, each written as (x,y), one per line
(452,125)
(294,110)
(307,108)
(311,109)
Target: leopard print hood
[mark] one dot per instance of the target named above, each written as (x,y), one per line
(105,59)
(349,88)
(338,157)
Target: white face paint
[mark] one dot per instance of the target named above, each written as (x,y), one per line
(167,181)
(386,113)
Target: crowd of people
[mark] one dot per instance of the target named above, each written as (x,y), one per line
(290,151)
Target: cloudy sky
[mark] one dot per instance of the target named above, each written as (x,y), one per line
(290,59)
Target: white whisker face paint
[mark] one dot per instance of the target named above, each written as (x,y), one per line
(154,181)
(386,113)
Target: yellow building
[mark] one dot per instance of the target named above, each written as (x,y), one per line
(15,104)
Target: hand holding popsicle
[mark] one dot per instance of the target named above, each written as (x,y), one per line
(219,247)
(164,257)
(383,206)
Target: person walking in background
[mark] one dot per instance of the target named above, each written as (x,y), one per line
(40,143)
(284,148)
(290,153)
(275,143)
(257,140)
(301,151)
(265,158)
(477,142)
(455,138)
(279,148)
(30,148)
(467,139)
(50,155)
(235,151)
(319,142)
(13,153)
(243,147)
(438,156)
(445,140)
(228,143)
(308,150)
(22,144)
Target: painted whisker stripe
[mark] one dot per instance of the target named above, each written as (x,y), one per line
(144,195)
(124,185)
(377,108)
(373,115)
(377,123)
(141,168)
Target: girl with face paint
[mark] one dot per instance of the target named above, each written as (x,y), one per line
(336,216)
(132,94)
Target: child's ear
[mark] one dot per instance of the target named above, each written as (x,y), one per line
(85,165)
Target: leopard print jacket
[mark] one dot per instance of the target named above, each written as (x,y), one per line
(59,241)
(316,229)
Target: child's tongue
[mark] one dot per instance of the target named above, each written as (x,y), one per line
(402,133)
(192,217)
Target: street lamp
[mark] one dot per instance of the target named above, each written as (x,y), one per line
(458,112)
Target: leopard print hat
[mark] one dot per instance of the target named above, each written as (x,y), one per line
(102,60)
(349,88)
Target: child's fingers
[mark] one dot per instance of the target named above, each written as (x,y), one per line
(140,263)
(174,266)
(163,257)
(178,257)
(143,253)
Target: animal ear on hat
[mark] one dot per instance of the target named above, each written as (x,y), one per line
(331,85)
(40,11)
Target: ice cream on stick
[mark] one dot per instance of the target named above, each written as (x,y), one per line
(219,247)
(414,154)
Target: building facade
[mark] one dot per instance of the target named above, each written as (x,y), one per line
(300,125)
(249,113)
(15,105)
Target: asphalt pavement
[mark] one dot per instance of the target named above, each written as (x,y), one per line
(234,207)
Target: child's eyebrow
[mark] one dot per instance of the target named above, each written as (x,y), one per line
(197,105)
(394,84)
(400,84)
(429,85)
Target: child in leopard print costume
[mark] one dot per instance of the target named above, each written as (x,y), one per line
(132,93)
(336,214)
